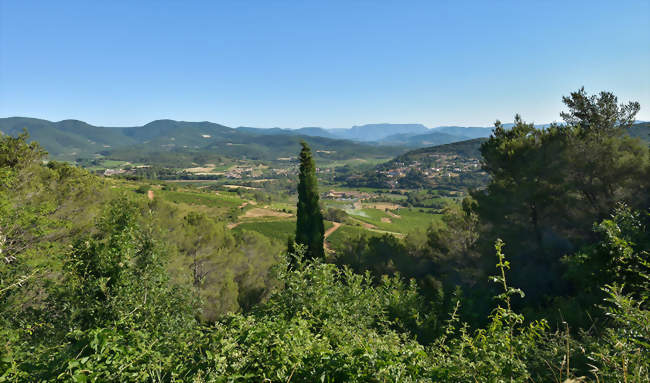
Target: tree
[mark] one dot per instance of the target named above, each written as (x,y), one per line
(547,186)
(451,246)
(310,230)
(40,207)
(599,114)
(606,164)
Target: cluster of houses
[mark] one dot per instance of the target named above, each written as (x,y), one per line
(347,195)
(435,166)
(112,172)
(239,172)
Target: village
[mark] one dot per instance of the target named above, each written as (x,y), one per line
(434,166)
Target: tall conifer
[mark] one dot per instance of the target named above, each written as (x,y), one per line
(310,230)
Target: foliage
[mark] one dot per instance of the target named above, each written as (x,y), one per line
(335,215)
(98,283)
(37,206)
(309,224)
(620,256)
(548,186)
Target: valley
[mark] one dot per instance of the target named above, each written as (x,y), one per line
(235,243)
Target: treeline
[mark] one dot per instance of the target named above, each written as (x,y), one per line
(46,208)
(98,285)
(547,190)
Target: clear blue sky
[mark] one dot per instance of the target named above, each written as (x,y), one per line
(325,63)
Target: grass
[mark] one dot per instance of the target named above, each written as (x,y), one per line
(107,164)
(279,229)
(282,205)
(354,161)
(411,219)
(221,200)
(345,232)
(192,183)
(339,187)
(276,229)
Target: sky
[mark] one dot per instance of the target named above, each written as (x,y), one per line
(331,64)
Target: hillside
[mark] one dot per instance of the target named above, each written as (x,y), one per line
(68,137)
(454,166)
(641,130)
(467,149)
(376,132)
(180,142)
(461,131)
(432,138)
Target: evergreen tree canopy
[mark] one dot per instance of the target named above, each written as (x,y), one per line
(310,230)
(549,185)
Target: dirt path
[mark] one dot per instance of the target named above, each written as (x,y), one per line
(328,232)
(335,225)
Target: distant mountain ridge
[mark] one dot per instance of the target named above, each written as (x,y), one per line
(172,140)
(409,135)
(70,139)
(398,134)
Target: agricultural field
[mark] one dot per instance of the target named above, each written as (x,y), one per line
(102,164)
(355,162)
(274,229)
(278,229)
(346,232)
(276,219)
(402,220)
(214,199)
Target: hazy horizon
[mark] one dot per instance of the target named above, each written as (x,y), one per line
(279,127)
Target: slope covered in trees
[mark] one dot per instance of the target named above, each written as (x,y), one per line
(102,284)
(177,143)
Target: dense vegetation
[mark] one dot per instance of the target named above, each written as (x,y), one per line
(310,229)
(179,144)
(101,283)
(460,153)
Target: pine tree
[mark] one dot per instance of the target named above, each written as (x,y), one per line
(309,226)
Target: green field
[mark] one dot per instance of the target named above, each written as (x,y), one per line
(410,219)
(276,229)
(354,162)
(345,232)
(221,200)
(401,221)
(108,164)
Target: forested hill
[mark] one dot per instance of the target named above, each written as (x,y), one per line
(465,149)
(471,148)
(641,130)
(71,139)
(540,276)
(454,166)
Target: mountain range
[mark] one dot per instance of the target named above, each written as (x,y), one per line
(181,142)
(72,139)
(409,135)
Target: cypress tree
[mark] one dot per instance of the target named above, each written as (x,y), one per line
(310,230)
